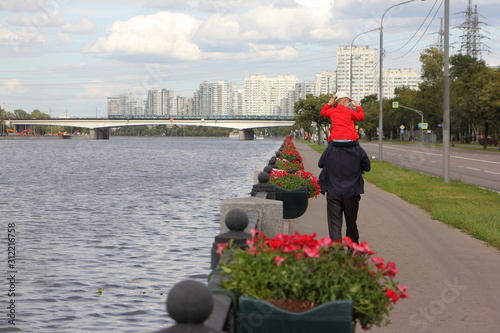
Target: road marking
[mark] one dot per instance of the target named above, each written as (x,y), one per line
(423,152)
(495,173)
(473,169)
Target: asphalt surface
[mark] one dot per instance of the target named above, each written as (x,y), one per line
(476,167)
(452,278)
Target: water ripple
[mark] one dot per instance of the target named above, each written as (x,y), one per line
(104,229)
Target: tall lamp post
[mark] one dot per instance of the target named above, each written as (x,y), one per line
(350,61)
(446,94)
(380,90)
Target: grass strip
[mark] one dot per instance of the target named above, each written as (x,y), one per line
(466,207)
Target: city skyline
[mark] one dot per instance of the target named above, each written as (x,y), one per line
(356,72)
(63,56)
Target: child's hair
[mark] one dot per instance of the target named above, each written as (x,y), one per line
(336,101)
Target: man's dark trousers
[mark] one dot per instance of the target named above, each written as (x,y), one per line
(348,204)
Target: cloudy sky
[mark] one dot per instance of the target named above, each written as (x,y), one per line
(64,57)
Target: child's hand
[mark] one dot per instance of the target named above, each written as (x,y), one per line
(331,101)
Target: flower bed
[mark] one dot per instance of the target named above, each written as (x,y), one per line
(302,272)
(291,174)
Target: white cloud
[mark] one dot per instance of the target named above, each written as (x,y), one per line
(16,5)
(82,27)
(52,19)
(162,34)
(13,87)
(282,24)
(272,51)
(220,33)
(65,38)
(7,37)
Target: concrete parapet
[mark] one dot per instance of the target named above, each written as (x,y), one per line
(270,214)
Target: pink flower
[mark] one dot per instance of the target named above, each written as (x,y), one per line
(402,292)
(325,242)
(279,260)
(220,248)
(311,252)
(379,262)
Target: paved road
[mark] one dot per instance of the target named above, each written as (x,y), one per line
(452,278)
(481,168)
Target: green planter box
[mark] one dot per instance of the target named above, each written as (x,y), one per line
(295,202)
(263,317)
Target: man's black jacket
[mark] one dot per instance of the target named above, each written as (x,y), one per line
(343,164)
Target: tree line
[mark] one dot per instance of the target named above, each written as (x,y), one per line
(474,102)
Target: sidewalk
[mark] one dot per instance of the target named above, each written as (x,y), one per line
(452,278)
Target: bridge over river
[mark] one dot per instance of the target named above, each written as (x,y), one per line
(99,127)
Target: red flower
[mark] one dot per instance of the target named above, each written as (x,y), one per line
(391,269)
(392,295)
(220,248)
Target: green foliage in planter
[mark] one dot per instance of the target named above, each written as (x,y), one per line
(301,268)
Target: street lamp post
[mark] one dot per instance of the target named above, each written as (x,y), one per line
(380,90)
(446,94)
(350,61)
(421,116)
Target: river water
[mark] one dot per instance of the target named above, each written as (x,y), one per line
(105,228)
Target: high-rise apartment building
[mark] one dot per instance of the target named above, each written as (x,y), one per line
(362,76)
(161,102)
(325,83)
(357,71)
(302,89)
(216,98)
(263,95)
(131,104)
(113,106)
(398,77)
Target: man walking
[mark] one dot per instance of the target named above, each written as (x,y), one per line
(343,163)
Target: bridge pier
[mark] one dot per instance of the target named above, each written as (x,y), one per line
(247,134)
(99,133)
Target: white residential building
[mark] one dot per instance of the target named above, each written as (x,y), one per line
(113,106)
(216,98)
(363,77)
(363,74)
(263,95)
(398,77)
(161,102)
(325,83)
(131,104)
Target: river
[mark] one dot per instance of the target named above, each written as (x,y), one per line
(105,228)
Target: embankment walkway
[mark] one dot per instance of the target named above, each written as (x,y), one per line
(453,279)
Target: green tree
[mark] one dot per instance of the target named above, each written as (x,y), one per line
(307,113)
(475,90)
(20,114)
(429,98)
(370,123)
(37,114)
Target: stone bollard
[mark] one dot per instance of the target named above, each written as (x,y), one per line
(272,162)
(268,168)
(189,303)
(263,187)
(236,221)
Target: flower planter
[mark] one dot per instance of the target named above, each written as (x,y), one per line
(260,316)
(294,201)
